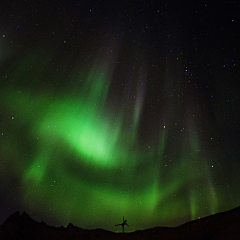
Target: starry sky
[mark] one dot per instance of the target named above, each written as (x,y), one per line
(119,108)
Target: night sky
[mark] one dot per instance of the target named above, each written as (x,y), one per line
(119,109)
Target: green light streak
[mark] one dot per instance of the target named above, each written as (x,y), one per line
(85,166)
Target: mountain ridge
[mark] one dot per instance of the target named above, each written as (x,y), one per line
(220,226)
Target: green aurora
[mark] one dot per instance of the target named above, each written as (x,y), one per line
(91,130)
(76,163)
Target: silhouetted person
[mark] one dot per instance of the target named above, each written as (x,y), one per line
(124,223)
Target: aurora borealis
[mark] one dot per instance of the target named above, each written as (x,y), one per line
(112,110)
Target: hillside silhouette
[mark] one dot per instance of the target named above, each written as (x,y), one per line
(220,226)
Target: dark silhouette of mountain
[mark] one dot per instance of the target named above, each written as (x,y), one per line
(220,226)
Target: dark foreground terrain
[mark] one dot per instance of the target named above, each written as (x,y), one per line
(220,226)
